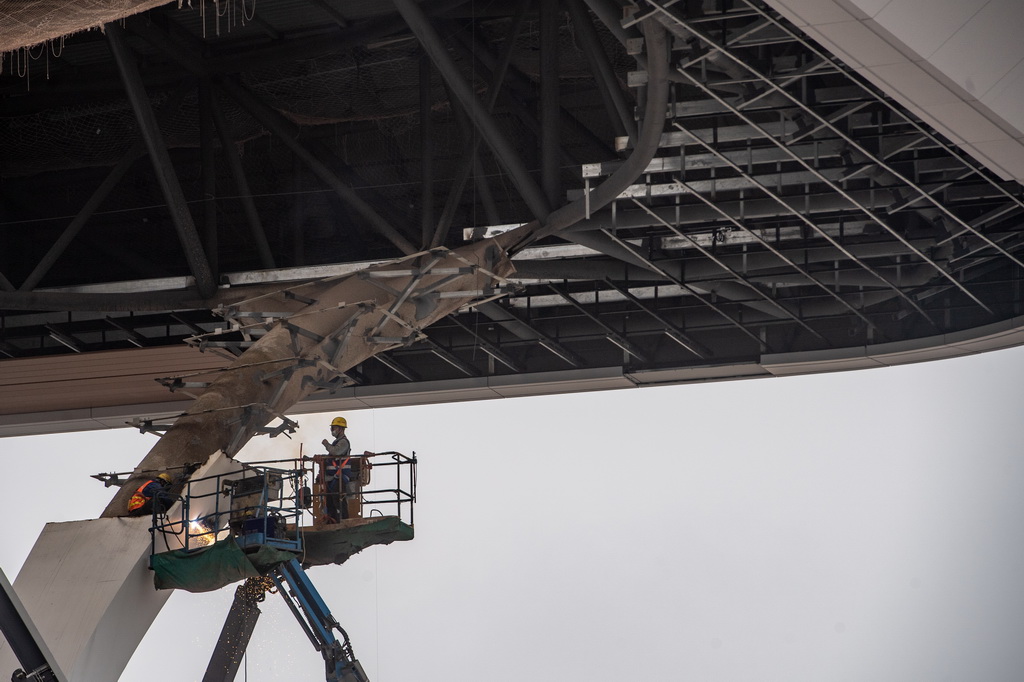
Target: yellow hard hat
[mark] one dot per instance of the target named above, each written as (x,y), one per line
(340,421)
(166,477)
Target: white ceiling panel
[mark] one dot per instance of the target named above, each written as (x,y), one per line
(985,49)
(925,25)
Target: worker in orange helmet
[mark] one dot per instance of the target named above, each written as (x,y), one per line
(154,492)
(336,469)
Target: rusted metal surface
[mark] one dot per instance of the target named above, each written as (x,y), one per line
(323,329)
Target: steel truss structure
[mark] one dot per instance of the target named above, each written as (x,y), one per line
(186,160)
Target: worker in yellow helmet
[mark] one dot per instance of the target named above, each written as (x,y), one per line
(336,469)
(154,491)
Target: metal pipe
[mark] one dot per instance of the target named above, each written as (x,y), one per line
(162,166)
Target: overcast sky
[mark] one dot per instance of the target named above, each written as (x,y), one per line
(857,526)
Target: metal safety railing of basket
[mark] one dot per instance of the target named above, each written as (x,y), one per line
(269,502)
(258,505)
(400,496)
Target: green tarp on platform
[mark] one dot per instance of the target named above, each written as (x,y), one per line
(220,564)
(337,543)
(223,562)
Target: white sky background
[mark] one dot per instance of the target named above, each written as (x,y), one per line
(858,526)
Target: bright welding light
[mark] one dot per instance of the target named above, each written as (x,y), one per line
(201,534)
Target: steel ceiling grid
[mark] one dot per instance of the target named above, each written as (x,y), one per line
(718,47)
(709,213)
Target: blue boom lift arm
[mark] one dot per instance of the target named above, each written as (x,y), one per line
(308,608)
(318,623)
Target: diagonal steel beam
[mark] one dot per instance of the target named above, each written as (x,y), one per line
(810,223)
(396,367)
(426,155)
(208,173)
(522,89)
(450,357)
(886,102)
(838,189)
(503,150)
(191,60)
(781,256)
(234,161)
(735,275)
(615,336)
(8,350)
(329,9)
(824,123)
(672,331)
(511,321)
(64,338)
(700,297)
(285,131)
(472,154)
(619,111)
(78,222)
(162,167)
(134,337)
(550,138)
(248,59)
(488,347)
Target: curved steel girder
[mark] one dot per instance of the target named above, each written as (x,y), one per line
(646,146)
(347,321)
